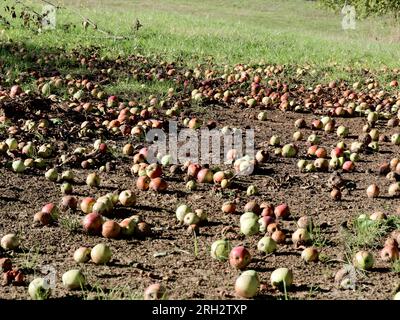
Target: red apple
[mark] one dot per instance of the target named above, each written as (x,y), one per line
(153,170)
(205,176)
(142,183)
(239,257)
(158,184)
(282,211)
(267,209)
(69,202)
(92,223)
(50,208)
(193,169)
(252,206)
(348,166)
(110,229)
(311,150)
(229,207)
(321,153)
(87,204)
(218,177)
(337,152)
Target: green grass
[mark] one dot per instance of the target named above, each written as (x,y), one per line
(396,266)
(318,239)
(116,293)
(290,32)
(70,223)
(29,260)
(366,233)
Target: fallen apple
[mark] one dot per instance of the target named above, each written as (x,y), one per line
(305,222)
(249,224)
(363,260)
(203,216)
(143,183)
(310,254)
(110,229)
(128,226)
(266,245)
(87,205)
(69,203)
(67,176)
(301,237)
(390,253)
(205,176)
(9,241)
(82,255)
(191,218)
(289,151)
(39,289)
(239,257)
(100,254)
(18,166)
(264,222)
(51,174)
(275,141)
(66,188)
(181,212)
(252,206)
(252,190)
(220,249)
(158,184)
(282,211)
(73,279)
(279,236)
(155,291)
(247,284)
(394,189)
(153,170)
(92,223)
(5,264)
(93,180)
(43,218)
(229,207)
(282,278)
(127,198)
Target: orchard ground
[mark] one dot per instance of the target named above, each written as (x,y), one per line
(312,48)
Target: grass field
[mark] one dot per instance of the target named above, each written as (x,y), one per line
(290,32)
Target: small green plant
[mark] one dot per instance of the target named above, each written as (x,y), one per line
(396,266)
(116,293)
(323,257)
(285,291)
(30,259)
(364,233)
(196,244)
(71,224)
(314,289)
(318,239)
(393,222)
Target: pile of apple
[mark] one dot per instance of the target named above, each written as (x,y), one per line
(10,242)
(96,222)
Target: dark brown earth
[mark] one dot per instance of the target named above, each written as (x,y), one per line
(186,276)
(168,256)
